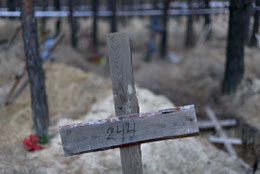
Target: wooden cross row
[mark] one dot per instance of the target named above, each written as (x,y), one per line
(223,138)
(129,129)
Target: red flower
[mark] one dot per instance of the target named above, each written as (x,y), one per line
(31,143)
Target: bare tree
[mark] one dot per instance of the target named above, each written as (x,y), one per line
(189,39)
(95,7)
(235,45)
(164,31)
(73,23)
(34,69)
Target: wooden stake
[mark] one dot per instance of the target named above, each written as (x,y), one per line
(120,61)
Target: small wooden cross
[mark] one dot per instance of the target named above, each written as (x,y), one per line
(130,128)
(223,138)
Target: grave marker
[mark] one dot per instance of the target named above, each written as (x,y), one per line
(223,138)
(133,128)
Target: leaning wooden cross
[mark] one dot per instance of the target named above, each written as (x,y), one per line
(223,138)
(130,128)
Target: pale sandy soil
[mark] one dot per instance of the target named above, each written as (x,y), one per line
(75,95)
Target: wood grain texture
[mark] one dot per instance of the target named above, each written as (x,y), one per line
(128,130)
(121,70)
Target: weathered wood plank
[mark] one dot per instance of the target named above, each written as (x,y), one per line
(214,139)
(223,123)
(121,70)
(127,130)
(218,127)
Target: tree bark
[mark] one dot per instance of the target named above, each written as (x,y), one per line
(34,69)
(253,40)
(235,45)
(73,23)
(189,40)
(164,31)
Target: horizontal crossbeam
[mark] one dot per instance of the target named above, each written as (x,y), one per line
(223,123)
(129,130)
(214,139)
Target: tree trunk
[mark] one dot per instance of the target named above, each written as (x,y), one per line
(253,40)
(207,16)
(73,23)
(95,4)
(34,69)
(164,31)
(189,40)
(11,4)
(249,13)
(58,22)
(113,17)
(235,45)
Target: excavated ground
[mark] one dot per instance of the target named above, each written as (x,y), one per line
(74,95)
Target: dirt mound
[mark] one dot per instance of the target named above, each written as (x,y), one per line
(71,94)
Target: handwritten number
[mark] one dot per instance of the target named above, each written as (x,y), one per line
(128,129)
(111,130)
(125,129)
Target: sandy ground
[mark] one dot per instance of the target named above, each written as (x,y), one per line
(74,95)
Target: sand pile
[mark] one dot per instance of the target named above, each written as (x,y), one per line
(75,96)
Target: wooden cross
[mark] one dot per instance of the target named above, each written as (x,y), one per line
(223,138)
(130,128)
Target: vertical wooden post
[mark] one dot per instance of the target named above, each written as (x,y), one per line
(34,69)
(234,70)
(95,5)
(253,40)
(164,31)
(73,23)
(120,61)
(113,17)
